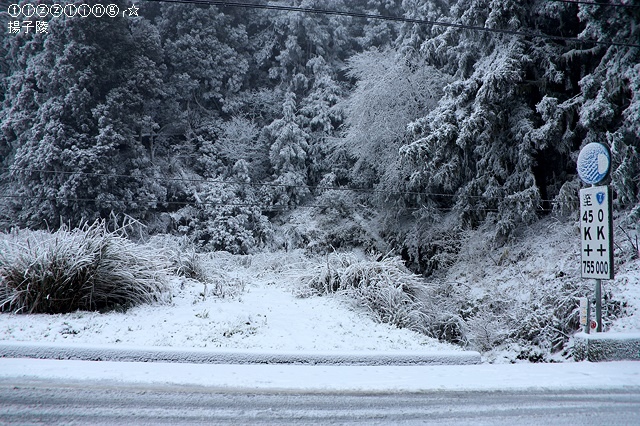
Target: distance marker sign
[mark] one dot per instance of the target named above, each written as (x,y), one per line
(596,230)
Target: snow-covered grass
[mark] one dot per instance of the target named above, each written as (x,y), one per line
(246,302)
(385,287)
(86,268)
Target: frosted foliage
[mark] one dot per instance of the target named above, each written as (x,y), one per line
(94,98)
(201,46)
(593,163)
(288,151)
(288,155)
(238,141)
(391,92)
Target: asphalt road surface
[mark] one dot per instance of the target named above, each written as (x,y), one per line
(53,402)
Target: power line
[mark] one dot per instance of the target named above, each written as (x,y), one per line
(224,3)
(262,206)
(242,183)
(591,3)
(223,182)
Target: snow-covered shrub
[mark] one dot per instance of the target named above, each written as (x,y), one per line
(567,202)
(385,287)
(185,261)
(189,265)
(486,329)
(346,222)
(448,317)
(87,268)
(519,301)
(336,221)
(433,246)
(226,215)
(628,247)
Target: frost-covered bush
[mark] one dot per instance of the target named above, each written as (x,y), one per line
(536,322)
(346,222)
(226,215)
(567,202)
(385,287)
(336,221)
(88,268)
(185,261)
(431,246)
(521,300)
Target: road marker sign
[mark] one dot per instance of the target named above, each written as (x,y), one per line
(596,233)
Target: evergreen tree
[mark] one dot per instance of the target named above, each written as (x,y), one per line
(479,147)
(609,102)
(203,49)
(380,33)
(207,64)
(321,115)
(288,155)
(75,117)
(303,54)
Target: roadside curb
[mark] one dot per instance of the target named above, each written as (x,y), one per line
(609,346)
(10,349)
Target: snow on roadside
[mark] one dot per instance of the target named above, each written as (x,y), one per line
(622,375)
(541,261)
(263,315)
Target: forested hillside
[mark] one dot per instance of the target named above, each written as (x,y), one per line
(224,123)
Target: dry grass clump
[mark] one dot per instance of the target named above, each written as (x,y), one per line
(87,268)
(385,287)
(214,269)
(185,261)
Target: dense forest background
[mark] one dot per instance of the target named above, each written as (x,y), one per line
(233,125)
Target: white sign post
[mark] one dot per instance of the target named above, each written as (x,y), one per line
(596,225)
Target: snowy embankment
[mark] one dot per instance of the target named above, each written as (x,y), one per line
(251,309)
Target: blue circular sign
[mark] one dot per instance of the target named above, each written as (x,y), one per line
(593,163)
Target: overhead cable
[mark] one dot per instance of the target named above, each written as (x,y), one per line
(284,8)
(262,206)
(591,3)
(243,183)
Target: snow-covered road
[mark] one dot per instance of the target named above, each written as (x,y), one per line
(68,402)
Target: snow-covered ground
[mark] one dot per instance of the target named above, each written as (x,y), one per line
(259,310)
(485,377)
(251,304)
